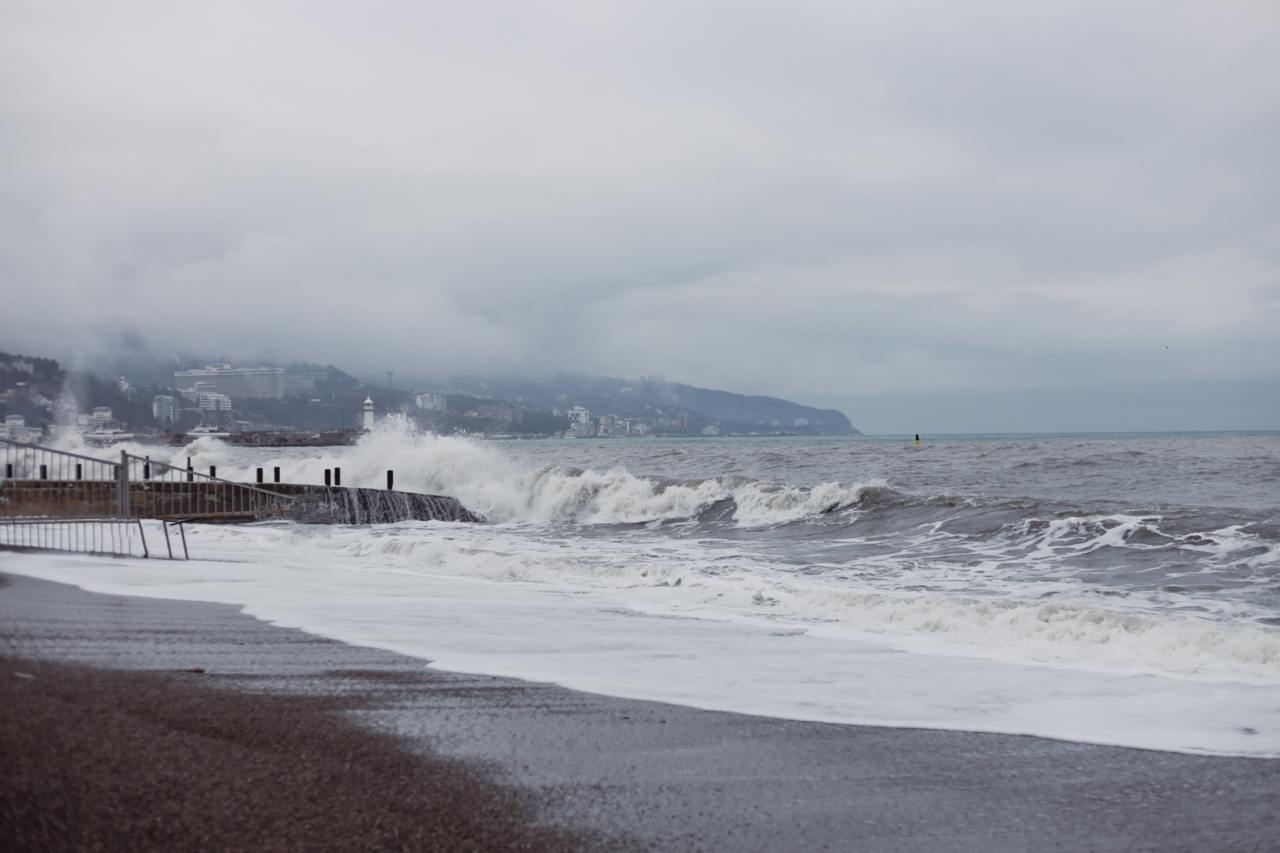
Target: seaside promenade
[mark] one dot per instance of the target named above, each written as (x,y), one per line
(151,724)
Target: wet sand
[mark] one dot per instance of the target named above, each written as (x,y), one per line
(109,739)
(117,760)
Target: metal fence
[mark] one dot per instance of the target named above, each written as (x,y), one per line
(57,500)
(109,536)
(167,492)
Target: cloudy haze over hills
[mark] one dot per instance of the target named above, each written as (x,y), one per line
(1006,217)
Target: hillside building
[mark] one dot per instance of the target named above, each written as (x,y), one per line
(238,383)
(212,401)
(580,422)
(16,429)
(166,410)
(430,401)
(300,384)
(215,409)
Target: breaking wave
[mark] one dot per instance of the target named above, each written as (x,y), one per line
(1058,624)
(1076,588)
(495,486)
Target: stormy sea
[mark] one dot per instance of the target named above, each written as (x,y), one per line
(1115,589)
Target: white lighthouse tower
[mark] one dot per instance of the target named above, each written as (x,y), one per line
(367,422)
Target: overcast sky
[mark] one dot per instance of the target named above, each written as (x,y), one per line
(935,216)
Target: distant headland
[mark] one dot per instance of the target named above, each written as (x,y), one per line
(172,399)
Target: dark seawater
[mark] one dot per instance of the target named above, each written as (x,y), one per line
(1193,516)
(1109,588)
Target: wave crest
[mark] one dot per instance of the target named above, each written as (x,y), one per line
(494,485)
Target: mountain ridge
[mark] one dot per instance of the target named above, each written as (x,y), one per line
(668,407)
(731,411)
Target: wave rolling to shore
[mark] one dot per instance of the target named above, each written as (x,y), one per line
(795,578)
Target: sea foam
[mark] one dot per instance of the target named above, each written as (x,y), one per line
(848,601)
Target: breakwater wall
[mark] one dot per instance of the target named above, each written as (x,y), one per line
(272,438)
(227,502)
(348,505)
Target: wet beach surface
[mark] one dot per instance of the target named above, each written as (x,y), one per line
(110,737)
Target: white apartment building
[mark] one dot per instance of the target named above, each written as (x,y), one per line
(166,410)
(212,401)
(580,422)
(15,429)
(301,384)
(193,393)
(215,409)
(235,382)
(430,401)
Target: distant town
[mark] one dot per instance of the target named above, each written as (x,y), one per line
(311,404)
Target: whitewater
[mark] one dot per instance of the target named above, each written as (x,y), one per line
(1120,590)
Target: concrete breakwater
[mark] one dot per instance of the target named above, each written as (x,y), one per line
(348,505)
(273,438)
(227,502)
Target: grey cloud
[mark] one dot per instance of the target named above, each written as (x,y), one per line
(842,203)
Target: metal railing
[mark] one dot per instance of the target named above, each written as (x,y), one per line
(167,492)
(117,537)
(54,499)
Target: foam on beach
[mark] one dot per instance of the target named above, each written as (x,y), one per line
(845,599)
(466,604)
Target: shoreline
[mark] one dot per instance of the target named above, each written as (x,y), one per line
(659,776)
(134,760)
(369,589)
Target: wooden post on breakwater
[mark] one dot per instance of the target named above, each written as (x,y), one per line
(328,476)
(259,476)
(391,479)
(337,476)
(277,473)
(218,501)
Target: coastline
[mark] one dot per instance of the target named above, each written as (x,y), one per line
(603,771)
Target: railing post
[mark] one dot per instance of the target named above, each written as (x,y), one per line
(276,472)
(122,485)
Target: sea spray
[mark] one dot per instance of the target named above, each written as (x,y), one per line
(491,483)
